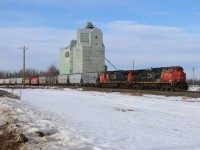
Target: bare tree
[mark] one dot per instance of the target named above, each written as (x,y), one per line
(52,71)
(30,72)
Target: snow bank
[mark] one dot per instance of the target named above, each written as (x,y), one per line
(44,130)
(194,88)
(4,113)
(75,119)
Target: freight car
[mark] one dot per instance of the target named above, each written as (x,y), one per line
(164,78)
(34,81)
(19,81)
(63,79)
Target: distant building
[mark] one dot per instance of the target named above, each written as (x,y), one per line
(86,54)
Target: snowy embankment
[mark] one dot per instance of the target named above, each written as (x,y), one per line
(44,130)
(194,88)
(74,119)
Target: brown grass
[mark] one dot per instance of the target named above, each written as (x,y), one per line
(11,139)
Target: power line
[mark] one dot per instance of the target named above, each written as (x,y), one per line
(111,64)
(193,74)
(24,59)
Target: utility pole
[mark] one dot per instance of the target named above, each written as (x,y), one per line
(133,64)
(24,61)
(193,74)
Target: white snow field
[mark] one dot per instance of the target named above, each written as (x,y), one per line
(82,120)
(194,88)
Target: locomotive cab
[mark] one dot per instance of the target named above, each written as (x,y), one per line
(173,74)
(179,75)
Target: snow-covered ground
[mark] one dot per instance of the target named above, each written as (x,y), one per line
(194,88)
(75,119)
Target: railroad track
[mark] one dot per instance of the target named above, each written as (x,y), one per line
(190,94)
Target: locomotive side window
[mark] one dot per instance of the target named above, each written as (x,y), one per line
(180,70)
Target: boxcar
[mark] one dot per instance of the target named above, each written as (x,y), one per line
(90,78)
(2,81)
(27,81)
(63,79)
(13,80)
(75,79)
(52,80)
(7,81)
(34,81)
(42,80)
(19,81)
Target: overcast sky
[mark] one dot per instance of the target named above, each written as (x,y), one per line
(154,33)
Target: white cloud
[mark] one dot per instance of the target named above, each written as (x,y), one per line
(43,44)
(150,46)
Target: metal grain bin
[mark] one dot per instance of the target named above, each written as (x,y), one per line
(2,81)
(75,78)
(52,80)
(42,80)
(63,79)
(7,81)
(13,80)
(19,80)
(90,78)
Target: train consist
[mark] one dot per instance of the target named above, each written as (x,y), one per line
(163,78)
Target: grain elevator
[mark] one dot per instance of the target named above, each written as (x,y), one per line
(85,54)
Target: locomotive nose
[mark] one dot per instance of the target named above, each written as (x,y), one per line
(180,77)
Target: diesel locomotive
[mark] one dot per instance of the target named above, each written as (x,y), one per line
(164,78)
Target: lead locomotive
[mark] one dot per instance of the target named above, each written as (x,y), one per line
(164,78)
